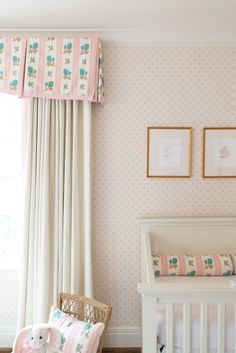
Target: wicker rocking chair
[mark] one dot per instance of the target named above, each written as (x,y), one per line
(86,309)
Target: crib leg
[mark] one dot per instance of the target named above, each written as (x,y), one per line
(149,328)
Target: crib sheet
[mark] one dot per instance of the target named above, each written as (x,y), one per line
(195,320)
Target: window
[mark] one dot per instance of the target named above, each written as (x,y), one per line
(10,181)
(10,213)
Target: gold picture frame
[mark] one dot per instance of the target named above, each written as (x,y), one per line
(169,152)
(219,152)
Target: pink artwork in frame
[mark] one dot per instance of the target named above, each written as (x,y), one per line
(219,152)
(169,152)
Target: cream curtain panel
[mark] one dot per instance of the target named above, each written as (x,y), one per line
(57,219)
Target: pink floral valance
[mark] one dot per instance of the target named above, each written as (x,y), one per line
(52,67)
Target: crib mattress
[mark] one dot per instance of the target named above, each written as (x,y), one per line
(201,281)
(195,320)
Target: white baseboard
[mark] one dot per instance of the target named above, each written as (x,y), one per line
(115,337)
(123,337)
(7,336)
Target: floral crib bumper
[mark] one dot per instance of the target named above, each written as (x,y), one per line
(193,265)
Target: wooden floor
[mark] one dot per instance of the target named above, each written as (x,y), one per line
(121,350)
(105,350)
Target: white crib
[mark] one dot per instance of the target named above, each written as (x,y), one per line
(185,236)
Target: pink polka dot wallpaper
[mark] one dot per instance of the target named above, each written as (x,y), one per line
(148,86)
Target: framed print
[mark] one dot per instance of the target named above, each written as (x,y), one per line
(219,152)
(169,152)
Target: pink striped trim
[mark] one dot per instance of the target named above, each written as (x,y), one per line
(41,67)
(73,335)
(217,265)
(200,265)
(8,66)
(59,66)
(93,68)
(22,67)
(233,260)
(182,267)
(164,266)
(75,67)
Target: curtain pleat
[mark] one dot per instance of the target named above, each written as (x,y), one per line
(56,253)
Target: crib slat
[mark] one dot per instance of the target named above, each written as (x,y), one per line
(235,328)
(204,328)
(187,327)
(149,332)
(169,328)
(221,328)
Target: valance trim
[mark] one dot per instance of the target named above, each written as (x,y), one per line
(52,67)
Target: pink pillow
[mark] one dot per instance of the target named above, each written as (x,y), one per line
(192,265)
(76,336)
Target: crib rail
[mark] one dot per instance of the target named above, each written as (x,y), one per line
(153,294)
